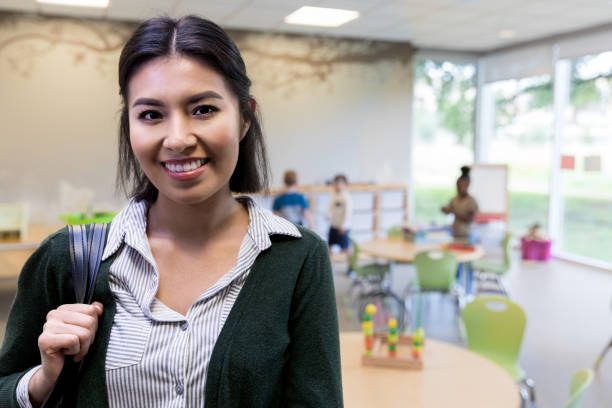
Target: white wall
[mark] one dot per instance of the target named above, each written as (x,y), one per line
(329,105)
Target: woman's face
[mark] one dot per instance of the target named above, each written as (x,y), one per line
(185,128)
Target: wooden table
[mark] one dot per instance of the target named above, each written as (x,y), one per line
(399,250)
(451,377)
(13,255)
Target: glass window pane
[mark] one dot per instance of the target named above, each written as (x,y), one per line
(444,97)
(523,139)
(587,160)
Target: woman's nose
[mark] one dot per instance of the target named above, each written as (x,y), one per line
(180,136)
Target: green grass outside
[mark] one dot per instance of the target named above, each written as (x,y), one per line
(587,222)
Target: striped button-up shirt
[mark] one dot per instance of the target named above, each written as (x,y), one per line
(157,357)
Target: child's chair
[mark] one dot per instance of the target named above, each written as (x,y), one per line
(395,232)
(435,273)
(581,381)
(488,271)
(366,275)
(495,326)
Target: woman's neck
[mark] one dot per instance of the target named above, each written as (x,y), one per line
(178,221)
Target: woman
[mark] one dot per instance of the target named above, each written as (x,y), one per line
(202,298)
(463,206)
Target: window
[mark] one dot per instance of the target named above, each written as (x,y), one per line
(586,165)
(522,138)
(444,97)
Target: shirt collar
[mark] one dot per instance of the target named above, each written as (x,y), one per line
(263,223)
(130,226)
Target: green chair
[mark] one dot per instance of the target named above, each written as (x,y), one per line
(581,381)
(372,280)
(370,273)
(495,326)
(488,271)
(436,272)
(395,232)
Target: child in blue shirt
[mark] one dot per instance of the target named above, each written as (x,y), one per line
(292,205)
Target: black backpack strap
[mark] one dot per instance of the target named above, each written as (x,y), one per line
(86,248)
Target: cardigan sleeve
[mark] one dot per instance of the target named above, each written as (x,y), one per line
(39,290)
(313,372)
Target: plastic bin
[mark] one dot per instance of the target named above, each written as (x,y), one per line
(535,249)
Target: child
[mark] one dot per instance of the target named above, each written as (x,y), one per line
(463,206)
(340,209)
(291,204)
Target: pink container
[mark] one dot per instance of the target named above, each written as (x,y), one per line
(535,249)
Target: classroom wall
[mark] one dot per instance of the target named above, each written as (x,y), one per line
(328,105)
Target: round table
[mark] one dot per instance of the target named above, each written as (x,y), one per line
(451,377)
(399,250)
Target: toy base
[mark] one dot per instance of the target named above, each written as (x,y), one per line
(403,359)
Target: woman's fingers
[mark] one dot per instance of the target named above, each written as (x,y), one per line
(69,331)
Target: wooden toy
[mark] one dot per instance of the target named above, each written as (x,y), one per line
(392,337)
(418,341)
(367,325)
(403,359)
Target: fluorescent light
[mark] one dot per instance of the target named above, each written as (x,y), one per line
(77,3)
(506,34)
(321,16)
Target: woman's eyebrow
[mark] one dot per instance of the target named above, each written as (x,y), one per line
(203,95)
(147,101)
(192,99)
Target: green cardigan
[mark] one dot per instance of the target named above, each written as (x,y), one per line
(279,346)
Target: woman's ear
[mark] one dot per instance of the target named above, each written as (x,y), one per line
(246,123)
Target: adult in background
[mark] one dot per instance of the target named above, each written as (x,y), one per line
(464,208)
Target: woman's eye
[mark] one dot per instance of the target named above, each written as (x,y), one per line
(149,115)
(204,110)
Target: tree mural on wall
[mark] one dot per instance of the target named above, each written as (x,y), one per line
(281,61)
(25,39)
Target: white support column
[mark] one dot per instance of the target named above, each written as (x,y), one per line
(484,126)
(561,103)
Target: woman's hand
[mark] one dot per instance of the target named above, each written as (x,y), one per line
(69,331)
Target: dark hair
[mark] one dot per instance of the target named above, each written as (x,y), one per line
(340,177)
(465,173)
(205,41)
(290,178)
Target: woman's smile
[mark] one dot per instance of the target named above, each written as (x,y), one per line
(185,169)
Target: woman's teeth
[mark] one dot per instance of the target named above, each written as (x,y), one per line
(183,167)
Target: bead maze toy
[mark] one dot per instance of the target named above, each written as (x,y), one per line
(403,351)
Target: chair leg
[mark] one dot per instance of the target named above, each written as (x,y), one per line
(501,286)
(527,385)
(602,355)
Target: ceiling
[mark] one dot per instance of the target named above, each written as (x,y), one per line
(462,25)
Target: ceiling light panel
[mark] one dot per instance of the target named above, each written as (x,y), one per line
(321,16)
(77,3)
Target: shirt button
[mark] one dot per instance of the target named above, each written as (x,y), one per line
(179,389)
(184,326)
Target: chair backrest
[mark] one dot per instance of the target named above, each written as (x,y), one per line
(506,250)
(494,326)
(354,257)
(395,232)
(436,270)
(581,381)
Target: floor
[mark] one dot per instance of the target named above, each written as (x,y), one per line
(569,309)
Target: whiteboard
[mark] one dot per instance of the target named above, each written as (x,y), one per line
(489,186)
